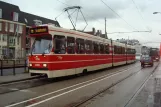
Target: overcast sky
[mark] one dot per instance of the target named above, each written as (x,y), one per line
(95,12)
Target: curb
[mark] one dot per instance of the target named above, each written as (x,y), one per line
(2,83)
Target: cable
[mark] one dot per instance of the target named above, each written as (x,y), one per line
(130,32)
(139,12)
(93,18)
(63,3)
(117,14)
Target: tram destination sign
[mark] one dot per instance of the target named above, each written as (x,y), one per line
(39,30)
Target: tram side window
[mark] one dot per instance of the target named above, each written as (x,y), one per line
(95,48)
(80,46)
(107,51)
(101,48)
(127,50)
(119,50)
(60,44)
(89,47)
(70,45)
(133,51)
(115,49)
(122,50)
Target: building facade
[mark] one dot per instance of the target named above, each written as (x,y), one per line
(14,26)
(12,32)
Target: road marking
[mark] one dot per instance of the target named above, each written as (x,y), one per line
(27,91)
(142,86)
(14,89)
(43,101)
(123,70)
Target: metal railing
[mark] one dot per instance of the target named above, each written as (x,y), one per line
(13,64)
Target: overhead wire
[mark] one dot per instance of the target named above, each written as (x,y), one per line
(63,2)
(139,13)
(84,13)
(117,14)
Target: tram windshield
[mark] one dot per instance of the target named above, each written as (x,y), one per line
(42,45)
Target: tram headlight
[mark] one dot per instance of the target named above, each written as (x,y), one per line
(30,65)
(44,65)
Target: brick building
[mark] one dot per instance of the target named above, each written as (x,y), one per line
(14,25)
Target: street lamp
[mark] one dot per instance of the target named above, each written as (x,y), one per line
(156,12)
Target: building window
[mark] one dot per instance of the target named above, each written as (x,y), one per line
(0,26)
(0,36)
(11,27)
(4,38)
(12,41)
(15,16)
(18,40)
(20,29)
(0,13)
(6,26)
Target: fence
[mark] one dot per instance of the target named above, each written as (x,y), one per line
(13,64)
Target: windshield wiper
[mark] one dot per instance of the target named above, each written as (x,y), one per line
(43,53)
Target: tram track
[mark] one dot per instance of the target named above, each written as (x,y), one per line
(140,88)
(73,87)
(39,81)
(104,90)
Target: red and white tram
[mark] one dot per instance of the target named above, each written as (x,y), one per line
(60,52)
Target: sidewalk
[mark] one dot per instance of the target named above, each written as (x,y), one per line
(150,95)
(17,77)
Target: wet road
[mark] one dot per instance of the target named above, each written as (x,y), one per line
(119,95)
(67,92)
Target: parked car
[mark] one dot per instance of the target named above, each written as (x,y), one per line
(146,60)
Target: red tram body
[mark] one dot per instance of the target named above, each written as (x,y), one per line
(60,52)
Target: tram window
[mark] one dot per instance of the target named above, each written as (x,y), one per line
(119,50)
(115,49)
(127,51)
(107,49)
(95,48)
(101,49)
(89,47)
(133,51)
(70,45)
(80,47)
(60,44)
(123,50)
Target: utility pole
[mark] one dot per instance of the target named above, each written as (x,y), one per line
(105,29)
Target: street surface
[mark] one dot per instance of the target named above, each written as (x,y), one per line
(150,95)
(67,92)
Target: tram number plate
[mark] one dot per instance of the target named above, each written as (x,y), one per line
(37,64)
